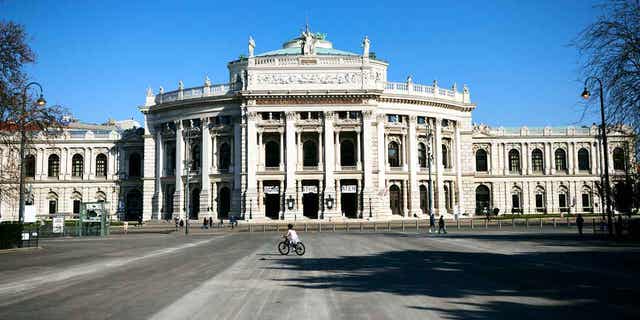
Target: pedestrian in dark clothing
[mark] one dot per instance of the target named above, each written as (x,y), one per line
(232,221)
(441,226)
(176,222)
(210,222)
(140,221)
(205,224)
(580,223)
(181,223)
(432,223)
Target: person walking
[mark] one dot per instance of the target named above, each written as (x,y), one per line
(210,222)
(432,223)
(441,226)
(580,223)
(205,224)
(181,223)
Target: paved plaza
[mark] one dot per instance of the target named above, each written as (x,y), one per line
(461,275)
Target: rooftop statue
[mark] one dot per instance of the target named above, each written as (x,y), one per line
(309,42)
(365,45)
(252,46)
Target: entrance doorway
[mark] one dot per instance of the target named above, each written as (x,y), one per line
(272,200)
(224,204)
(395,199)
(349,199)
(194,204)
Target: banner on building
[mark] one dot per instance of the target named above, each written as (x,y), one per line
(349,188)
(271,189)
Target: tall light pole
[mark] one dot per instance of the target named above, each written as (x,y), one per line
(23,141)
(607,190)
(189,133)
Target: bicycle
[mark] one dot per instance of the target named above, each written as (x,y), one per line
(284,247)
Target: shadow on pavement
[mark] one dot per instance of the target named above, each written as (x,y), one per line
(587,284)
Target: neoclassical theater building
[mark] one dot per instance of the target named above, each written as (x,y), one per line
(308,131)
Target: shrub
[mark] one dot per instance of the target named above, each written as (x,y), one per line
(10,235)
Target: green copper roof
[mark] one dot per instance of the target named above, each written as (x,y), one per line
(297,50)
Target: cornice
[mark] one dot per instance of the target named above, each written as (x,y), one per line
(427,102)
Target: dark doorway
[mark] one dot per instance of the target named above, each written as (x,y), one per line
(133,205)
(349,199)
(424,199)
(395,200)
(194,204)
(310,205)
(272,205)
(224,199)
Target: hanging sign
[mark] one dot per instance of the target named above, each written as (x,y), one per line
(271,189)
(309,189)
(58,224)
(349,188)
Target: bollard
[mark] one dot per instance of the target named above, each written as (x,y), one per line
(568,224)
(526,223)
(319,227)
(554,223)
(277,227)
(388,225)
(499,224)
(593,222)
(375,226)
(458,224)
(264,228)
(513,223)
(305,227)
(347,226)
(472,223)
(250,228)
(361,227)
(540,223)
(417,227)
(402,225)
(486,223)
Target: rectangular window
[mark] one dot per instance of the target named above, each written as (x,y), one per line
(539,203)
(53,206)
(353,114)
(562,202)
(586,202)
(393,118)
(422,120)
(76,206)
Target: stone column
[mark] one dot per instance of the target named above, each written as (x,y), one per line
(178,195)
(320,164)
(382,196)
(338,198)
(552,158)
(460,191)
(282,159)
(593,152)
(260,150)
(214,152)
(405,199)
(150,206)
(237,169)
(299,151)
(205,185)
(367,154)
(505,159)
(329,162)
(337,151)
(291,163)
(158,182)
(214,203)
(439,167)
(358,151)
(414,167)
(570,162)
(252,159)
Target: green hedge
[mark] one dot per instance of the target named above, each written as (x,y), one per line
(536,216)
(10,235)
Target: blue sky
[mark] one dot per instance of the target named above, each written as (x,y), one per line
(98,57)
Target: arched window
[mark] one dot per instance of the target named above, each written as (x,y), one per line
(101,165)
(540,200)
(424,199)
(53,202)
(30,166)
(447,197)
(393,154)
(224,156)
(618,159)
(537,160)
(445,156)
(514,161)
(483,198)
(53,166)
(516,196)
(134,165)
(586,201)
(77,165)
(561,160)
(347,153)
(481,161)
(583,160)
(563,201)
(272,154)
(310,154)
(422,155)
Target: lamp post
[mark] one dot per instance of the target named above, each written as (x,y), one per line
(607,190)
(290,204)
(190,133)
(23,141)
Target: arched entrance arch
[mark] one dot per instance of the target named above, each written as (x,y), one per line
(133,205)
(224,203)
(483,198)
(194,204)
(395,200)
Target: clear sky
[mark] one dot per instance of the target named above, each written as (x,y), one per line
(98,57)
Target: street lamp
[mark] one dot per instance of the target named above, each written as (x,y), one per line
(607,190)
(329,202)
(23,140)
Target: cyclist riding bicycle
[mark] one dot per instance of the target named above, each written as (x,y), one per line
(292,235)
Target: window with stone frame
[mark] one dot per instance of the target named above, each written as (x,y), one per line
(561,159)
(393,154)
(537,160)
(30,166)
(481,161)
(445,157)
(422,155)
(514,161)
(583,160)
(586,202)
(224,156)
(77,165)
(53,166)
(309,154)
(618,159)
(101,165)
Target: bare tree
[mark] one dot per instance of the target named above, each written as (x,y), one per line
(24,119)
(610,48)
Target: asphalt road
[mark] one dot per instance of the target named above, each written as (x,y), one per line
(483,275)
